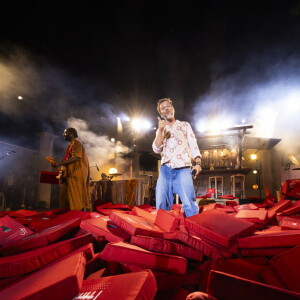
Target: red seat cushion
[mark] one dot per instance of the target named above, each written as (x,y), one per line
(224,286)
(145,214)
(127,253)
(219,227)
(11,231)
(249,206)
(164,246)
(136,225)
(61,280)
(289,223)
(166,220)
(253,216)
(137,285)
(268,251)
(199,244)
(41,238)
(295,207)
(279,206)
(266,239)
(23,213)
(287,267)
(20,264)
(104,226)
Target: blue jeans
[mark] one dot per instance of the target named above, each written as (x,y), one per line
(176,181)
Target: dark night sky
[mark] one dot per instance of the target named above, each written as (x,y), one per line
(128,54)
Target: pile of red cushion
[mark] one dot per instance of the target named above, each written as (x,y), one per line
(119,252)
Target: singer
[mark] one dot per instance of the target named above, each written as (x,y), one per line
(176,143)
(74,191)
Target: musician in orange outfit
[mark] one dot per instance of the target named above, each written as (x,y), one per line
(75,188)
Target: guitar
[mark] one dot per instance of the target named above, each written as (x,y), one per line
(62,171)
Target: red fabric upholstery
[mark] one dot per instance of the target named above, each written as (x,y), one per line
(145,214)
(167,281)
(167,221)
(269,277)
(70,215)
(231,203)
(163,246)
(12,231)
(136,225)
(219,227)
(127,253)
(268,251)
(138,285)
(20,264)
(104,226)
(199,244)
(117,206)
(253,216)
(210,193)
(266,239)
(61,280)
(249,206)
(289,223)
(41,238)
(291,188)
(23,213)
(287,267)
(279,206)
(224,286)
(108,211)
(294,208)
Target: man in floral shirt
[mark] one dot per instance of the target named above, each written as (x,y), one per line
(176,143)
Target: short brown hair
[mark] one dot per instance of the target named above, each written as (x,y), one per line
(160,101)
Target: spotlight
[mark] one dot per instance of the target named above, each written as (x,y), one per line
(254,171)
(255,186)
(253,156)
(112,171)
(20,98)
(113,140)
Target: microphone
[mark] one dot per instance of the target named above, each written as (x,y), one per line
(194,172)
(97,168)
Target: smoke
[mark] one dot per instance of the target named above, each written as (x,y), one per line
(267,97)
(100,148)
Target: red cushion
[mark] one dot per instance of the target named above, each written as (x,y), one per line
(166,220)
(167,281)
(224,286)
(163,246)
(219,227)
(268,251)
(249,206)
(266,239)
(231,203)
(61,280)
(287,267)
(70,215)
(41,238)
(117,206)
(253,216)
(269,277)
(137,285)
(11,231)
(104,226)
(136,225)
(127,253)
(295,207)
(108,211)
(279,206)
(289,223)
(199,244)
(23,213)
(145,214)
(19,264)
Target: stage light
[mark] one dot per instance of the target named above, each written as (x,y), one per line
(243,121)
(112,156)
(113,140)
(254,171)
(140,124)
(20,98)
(112,171)
(253,156)
(255,186)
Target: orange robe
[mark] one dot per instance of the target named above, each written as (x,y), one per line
(75,191)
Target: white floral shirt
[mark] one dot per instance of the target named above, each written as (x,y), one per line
(177,151)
